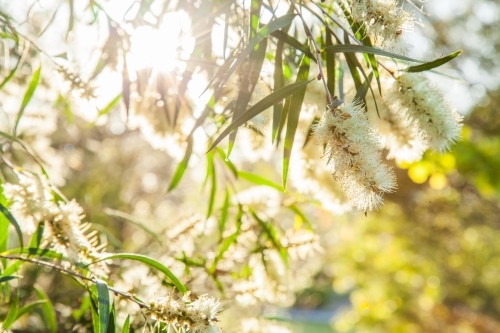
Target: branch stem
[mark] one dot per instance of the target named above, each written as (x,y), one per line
(63,270)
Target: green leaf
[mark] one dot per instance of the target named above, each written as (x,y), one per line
(258,180)
(279,82)
(4,225)
(126,325)
(294,208)
(272,234)
(181,168)
(29,307)
(4,278)
(363,89)
(12,268)
(224,213)
(263,33)
(260,106)
(13,309)
(189,149)
(213,187)
(95,311)
(247,86)
(13,221)
(433,64)
(352,48)
(112,320)
(228,241)
(293,42)
(11,74)
(293,116)
(310,130)
(227,162)
(36,239)
(151,263)
(283,118)
(27,96)
(110,105)
(330,65)
(103,299)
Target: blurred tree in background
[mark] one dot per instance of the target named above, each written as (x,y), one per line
(188,133)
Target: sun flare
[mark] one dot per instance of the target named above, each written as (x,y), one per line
(165,48)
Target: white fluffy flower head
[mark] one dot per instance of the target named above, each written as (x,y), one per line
(353,152)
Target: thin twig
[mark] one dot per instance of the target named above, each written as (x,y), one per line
(63,270)
(317,50)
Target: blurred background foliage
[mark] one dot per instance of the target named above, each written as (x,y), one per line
(428,261)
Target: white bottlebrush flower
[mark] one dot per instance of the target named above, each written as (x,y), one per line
(32,201)
(353,152)
(180,313)
(415,97)
(301,243)
(385,20)
(401,135)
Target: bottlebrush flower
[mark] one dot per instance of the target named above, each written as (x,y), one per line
(353,147)
(415,98)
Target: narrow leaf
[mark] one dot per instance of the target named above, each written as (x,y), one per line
(213,187)
(352,48)
(330,65)
(181,168)
(103,299)
(433,64)
(13,221)
(12,314)
(260,106)
(310,130)
(248,82)
(227,162)
(263,33)
(293,116)
(224,213)
(47,310)
(151,263)
(8,278)
(363,89)
(27,96)
(259,180)
(11,74)
(293,42)
(28,308)
(126,325)
(110,105)
(279,82)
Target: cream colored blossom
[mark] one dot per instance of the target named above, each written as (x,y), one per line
(353,150)
(401,135)
(385,20)
(183,315)
(301,243)
(33,203)
(417,100)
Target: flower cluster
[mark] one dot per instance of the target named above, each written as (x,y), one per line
(413,101)
(199,316)
(353,150)
(384,20)
(33,203)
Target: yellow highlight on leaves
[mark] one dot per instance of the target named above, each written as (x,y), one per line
(438,181)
